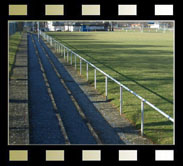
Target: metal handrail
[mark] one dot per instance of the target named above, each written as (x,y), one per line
(57,45)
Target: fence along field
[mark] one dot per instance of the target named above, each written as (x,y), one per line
(141,61)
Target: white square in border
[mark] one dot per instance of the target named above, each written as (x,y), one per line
(54,10)
(127,155)
(54,155)
(164,155)
(18,155)
(163,10)
(129,10)
(90,10)
(91,155)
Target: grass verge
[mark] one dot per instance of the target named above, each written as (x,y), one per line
(14,41)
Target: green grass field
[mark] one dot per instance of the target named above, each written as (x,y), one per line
(14,41)
(141,61)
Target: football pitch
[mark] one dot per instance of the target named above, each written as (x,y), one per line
(142,61)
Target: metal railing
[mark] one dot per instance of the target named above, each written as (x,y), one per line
(59,47)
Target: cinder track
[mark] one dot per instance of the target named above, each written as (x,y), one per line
(44,128)
(73,117)
(105,132)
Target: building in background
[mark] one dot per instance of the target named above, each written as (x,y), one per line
(12,27)
(15,26)
(69,26)
(50,26)
(87,26)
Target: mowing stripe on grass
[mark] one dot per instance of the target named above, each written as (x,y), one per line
(121,74)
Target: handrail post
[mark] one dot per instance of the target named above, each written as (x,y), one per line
(87,71)
(67,55)
(71,58)
(61,50)
(75,62)
(106,87)
(64,53)
(95,78)
(142,117)
(121,99)
(80,66)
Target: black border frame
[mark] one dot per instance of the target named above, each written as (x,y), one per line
(72,11)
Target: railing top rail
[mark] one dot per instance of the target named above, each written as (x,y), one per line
(120,84)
